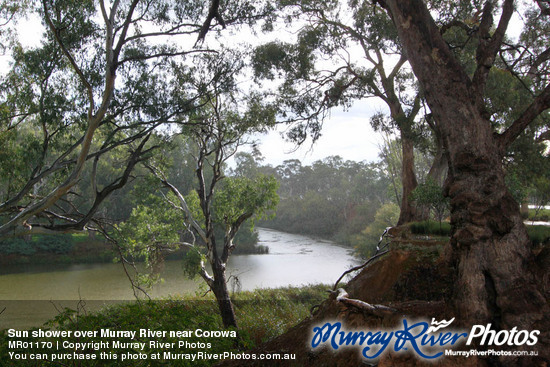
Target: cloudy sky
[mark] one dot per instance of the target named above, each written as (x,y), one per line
(346,133)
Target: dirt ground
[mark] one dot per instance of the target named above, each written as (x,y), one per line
(414,278)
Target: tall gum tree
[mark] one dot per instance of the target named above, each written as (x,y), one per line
(346,53)
(100,79)
(215,131)
(495,267)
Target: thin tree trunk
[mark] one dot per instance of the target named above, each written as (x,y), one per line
(438,169)
(222,296)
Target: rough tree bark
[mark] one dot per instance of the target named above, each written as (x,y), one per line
(219,287)
(495,266)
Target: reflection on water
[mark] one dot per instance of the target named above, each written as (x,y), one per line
(292,260)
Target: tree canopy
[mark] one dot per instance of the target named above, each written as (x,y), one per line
(104,77)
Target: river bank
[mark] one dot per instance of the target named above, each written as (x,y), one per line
(91,248)
(293,260)
(262,315)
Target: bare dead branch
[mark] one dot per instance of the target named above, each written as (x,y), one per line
(377,310)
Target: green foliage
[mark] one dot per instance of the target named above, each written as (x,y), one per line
(156,227)
(263,314)
(246,240)
(17,246)
(386,216)
(148,233)
(538,235)
(539,214)
(517,188)
(192,261)
(331,198)
(430,194)
(57,244)
(429,227)
(243,196)
(540,193)
(75,85)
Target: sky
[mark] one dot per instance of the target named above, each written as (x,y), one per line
(345,133)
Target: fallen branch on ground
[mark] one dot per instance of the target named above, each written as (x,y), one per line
(378,310)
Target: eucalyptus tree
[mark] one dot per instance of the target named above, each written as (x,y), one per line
(214,132)
(496,281)
(101,80)
(346,52)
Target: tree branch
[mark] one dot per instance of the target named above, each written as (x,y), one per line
(489,45)
(377,310)
(180,197)
(541,103)
(213,13)
(71,59)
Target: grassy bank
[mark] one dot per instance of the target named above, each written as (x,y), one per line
(537,234)
(262,315)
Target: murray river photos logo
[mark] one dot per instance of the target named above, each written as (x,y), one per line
(428,341)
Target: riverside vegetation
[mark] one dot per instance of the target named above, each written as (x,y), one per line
(263,314)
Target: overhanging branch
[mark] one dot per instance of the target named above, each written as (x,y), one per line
(541,103)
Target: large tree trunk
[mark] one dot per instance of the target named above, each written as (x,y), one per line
(495,266)
(219,288)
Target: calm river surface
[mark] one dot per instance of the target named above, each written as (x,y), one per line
(292,260)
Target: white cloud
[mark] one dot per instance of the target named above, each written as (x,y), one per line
(346,133)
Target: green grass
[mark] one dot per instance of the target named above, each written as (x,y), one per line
(431,227)
(538,234)
(543,215)
(262,315)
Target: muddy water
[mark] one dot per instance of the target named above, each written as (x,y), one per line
(31,294)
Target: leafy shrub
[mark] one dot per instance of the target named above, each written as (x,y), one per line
(538,234)
(539,214)
(57,244)
(192,262)
(386,216)
(246,240)
(17,246)
(430,194)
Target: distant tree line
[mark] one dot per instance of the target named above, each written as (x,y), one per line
(331,198)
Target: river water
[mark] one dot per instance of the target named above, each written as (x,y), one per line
(32,294)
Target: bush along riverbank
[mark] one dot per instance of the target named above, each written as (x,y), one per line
(59,248)
(84,248)
(262,315)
